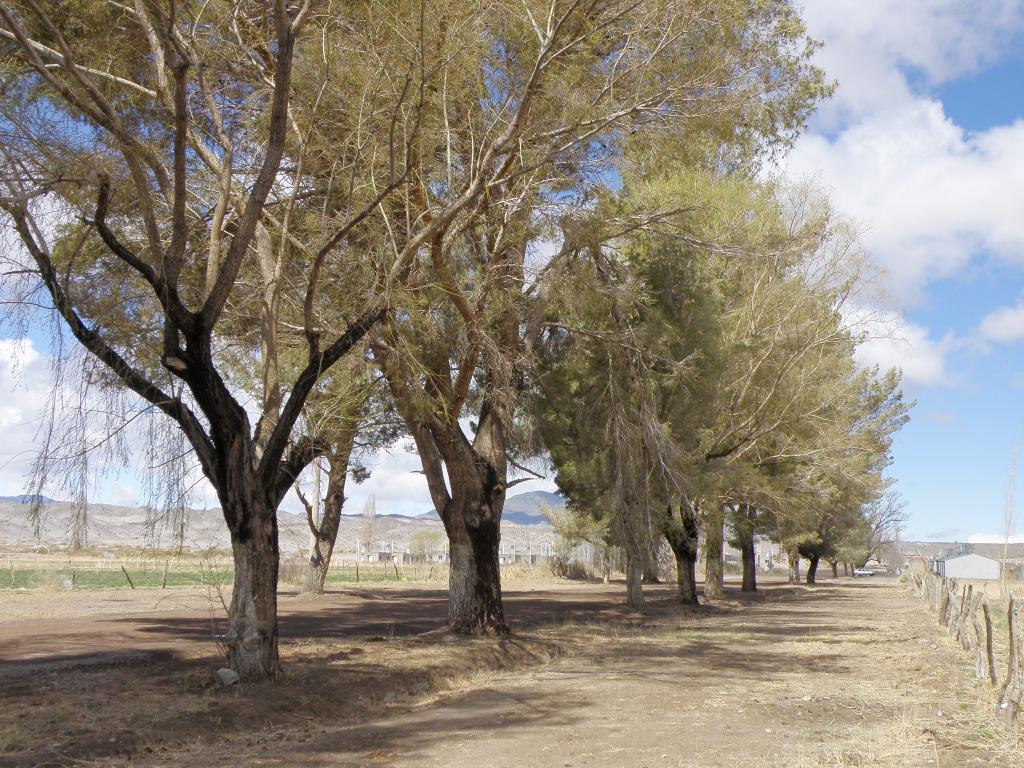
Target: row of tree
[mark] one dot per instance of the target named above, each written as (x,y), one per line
(286,234)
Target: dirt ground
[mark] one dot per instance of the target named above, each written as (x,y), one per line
(845,674)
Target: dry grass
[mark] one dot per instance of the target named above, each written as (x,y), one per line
(931,711)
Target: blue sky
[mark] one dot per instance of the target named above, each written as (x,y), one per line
(923,147)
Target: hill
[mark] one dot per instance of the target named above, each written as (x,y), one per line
(29,498)
(522,508)
(526,508)
(111,526)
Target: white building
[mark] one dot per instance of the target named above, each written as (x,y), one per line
(968,565)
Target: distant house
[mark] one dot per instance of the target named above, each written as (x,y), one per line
(967,565)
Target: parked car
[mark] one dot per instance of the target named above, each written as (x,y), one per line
(862,572)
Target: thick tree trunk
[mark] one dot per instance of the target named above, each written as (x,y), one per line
(472,519)
(749,570)
(681,534)
(846,569)
(474,582)
(714,552)
(251,636)
(315,579)
(686,578)
(812,569)
(835,569)
(327,531)
(794,566)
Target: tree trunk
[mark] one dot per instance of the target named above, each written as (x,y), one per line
(794,566)
(749,572)
(471,514)
(686,579)
(651,575)
(634,578)
(812,569)
(327,531)
(835,569)
(846,568)
(681,534)
(251,636)
(650,550)
(714,552)
(474,581)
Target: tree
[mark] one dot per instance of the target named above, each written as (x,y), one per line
(559,91)
(426,542)
(155,156)
(368,525)
(575,526)
(350,417)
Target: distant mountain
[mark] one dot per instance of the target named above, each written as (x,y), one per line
(114,526)
(29,498)
(523,508)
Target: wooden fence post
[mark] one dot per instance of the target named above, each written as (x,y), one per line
(944,603)
(988,644)
(1013,686)
(966,611)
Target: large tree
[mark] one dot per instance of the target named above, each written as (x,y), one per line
(533,129)
(155,156)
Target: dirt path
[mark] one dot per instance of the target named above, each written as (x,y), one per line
(847,675)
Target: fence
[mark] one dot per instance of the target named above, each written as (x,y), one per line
(130,571)
(964,612)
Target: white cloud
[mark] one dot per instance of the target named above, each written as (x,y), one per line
(24,382)
(1005,324)
(396,483)
(928,195)
(894,342)
(870,46)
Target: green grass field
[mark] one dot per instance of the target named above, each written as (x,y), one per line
(153,577)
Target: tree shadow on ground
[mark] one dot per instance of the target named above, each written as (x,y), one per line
(359,656)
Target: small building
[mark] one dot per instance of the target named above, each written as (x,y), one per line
(968,565)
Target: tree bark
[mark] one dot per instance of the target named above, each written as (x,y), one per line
(749,571)
(326,533)
(714,552)
(812,569)
(835,569)
(251,636)
(794,566)
(634,578)
(651,575)
(681,534)
(471,513)
(474,582)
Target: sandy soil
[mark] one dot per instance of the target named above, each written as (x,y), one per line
(849,674)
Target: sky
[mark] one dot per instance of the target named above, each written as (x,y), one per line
(923,148)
